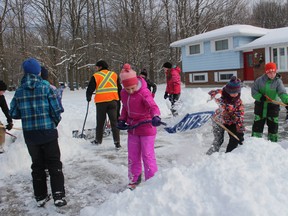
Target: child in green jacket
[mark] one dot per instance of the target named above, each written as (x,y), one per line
(266,89)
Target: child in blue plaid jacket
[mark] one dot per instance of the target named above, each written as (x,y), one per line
(36,104)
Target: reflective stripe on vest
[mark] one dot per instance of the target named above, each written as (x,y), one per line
(106,78)
(106,89)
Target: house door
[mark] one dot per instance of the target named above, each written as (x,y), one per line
(248,66)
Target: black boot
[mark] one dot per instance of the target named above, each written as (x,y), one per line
(117,145)
(59,199)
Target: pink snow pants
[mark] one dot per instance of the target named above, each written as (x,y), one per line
(141,148)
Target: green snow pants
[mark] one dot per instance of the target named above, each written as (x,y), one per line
(258,127)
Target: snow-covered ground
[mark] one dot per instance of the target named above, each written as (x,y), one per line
(252,180)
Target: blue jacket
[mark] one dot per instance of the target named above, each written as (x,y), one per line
(36,104)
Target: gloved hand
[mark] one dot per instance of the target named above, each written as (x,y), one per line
(9,126)
(88,98)
(153,95)
(121,125)
(263,98)
(156,121)
(240,129)
(166,95)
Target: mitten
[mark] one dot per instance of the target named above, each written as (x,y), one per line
(263,98)
(212,93)
(121,125)
(156,121)
(166,95)
(240,129)
(88,98)
(153,95)
(9,126)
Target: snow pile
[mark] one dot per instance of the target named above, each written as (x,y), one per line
(252,180)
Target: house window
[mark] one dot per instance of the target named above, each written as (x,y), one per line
(221,45)
(198,77)
(280,57)
(224,76)
(194,49)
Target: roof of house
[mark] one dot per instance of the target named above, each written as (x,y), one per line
(227,31)
(273,38)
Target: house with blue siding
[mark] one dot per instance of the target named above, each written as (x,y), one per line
(211,58)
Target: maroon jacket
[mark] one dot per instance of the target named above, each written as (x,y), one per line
(173,81)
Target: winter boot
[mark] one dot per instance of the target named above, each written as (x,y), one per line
(273,137)
(117,145)
(59,199)
(41,200)
(95,142)
(133,185)
(174,112)
(256,134)
(212,149)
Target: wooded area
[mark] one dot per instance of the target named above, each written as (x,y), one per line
(70,36)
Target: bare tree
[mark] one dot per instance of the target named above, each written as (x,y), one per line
(168,21)
(18,7)
(51,13)
(126,34)
(75,9)
(270,14)
(3,67)
(71,35)
(152,39)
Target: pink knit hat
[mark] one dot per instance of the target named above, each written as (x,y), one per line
(128,76)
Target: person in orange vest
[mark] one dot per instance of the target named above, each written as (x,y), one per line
(107,87)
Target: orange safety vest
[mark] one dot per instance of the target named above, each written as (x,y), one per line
(106,86)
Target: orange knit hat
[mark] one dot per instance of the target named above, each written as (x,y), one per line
(270,67)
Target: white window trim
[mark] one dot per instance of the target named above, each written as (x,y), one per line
(188,49)
(192,79)
(216,77)
(278,57)
(224,72)
(230,45)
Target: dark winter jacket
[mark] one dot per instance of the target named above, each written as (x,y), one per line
(274,89)
(151,86)
(36,104)
(5,109)
(230,111)
(58,92)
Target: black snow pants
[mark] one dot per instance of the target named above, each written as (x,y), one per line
(218,133)
(110,108)
(46,156)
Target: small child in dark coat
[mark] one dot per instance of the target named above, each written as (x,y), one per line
(5,110)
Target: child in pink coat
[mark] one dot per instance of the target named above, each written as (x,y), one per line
(140,115)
